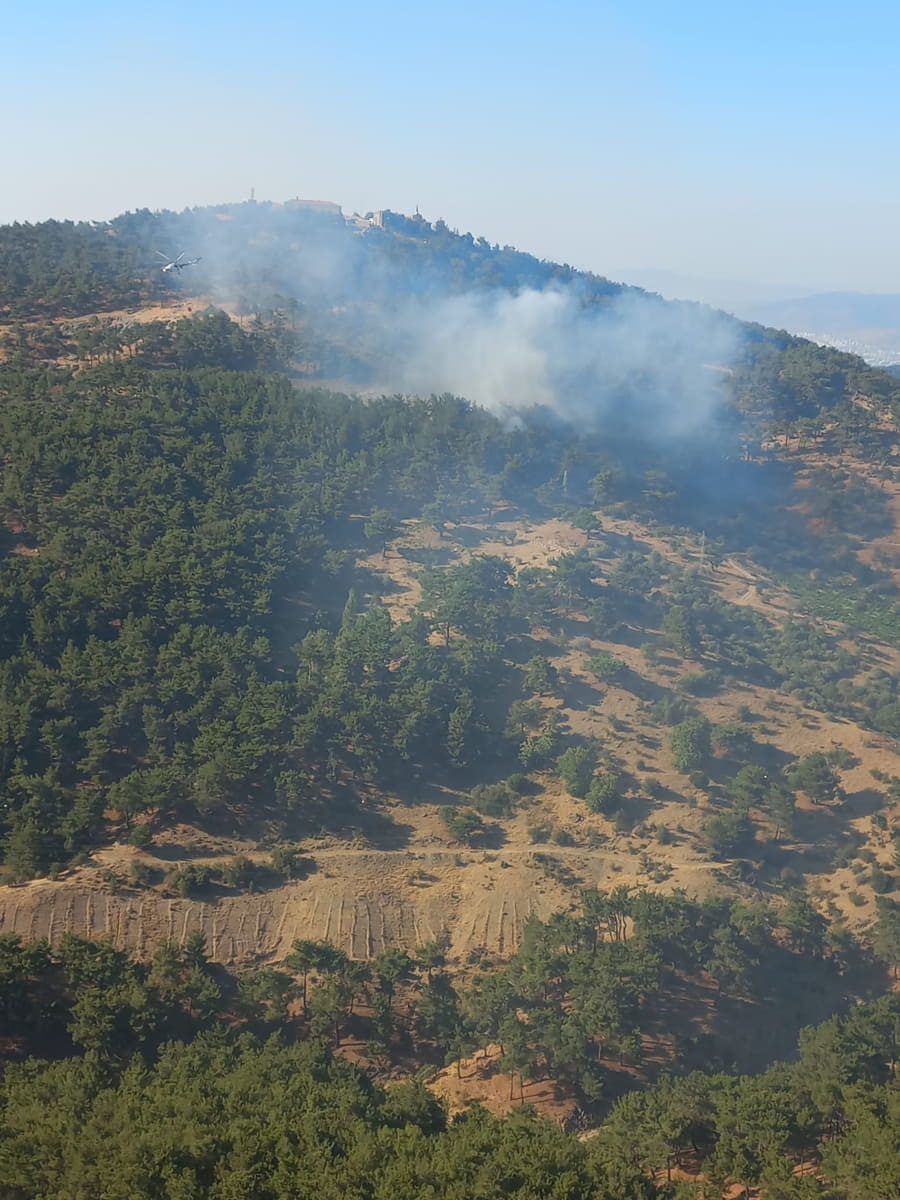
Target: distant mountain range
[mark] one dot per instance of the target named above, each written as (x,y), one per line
(864,324)
(867,324)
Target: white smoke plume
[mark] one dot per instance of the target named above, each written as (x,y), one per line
(653,366)
(632,358)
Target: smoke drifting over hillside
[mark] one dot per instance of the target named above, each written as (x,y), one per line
(427,311)
(636,359)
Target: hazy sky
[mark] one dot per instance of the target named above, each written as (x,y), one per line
(746,141)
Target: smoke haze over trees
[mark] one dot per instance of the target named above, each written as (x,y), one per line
(199,513)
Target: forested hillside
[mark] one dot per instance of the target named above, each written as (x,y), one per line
(169,1081)
(565,725)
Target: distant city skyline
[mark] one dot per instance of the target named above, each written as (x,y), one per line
(754,143)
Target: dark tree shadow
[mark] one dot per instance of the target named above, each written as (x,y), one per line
(429,556)
(578,693)
(644,689)
(417,788)
(379,830)
(493,837)
(520,648)
(826,831)
(469,536)
(625,634)
(618,544)
(373,584)
(170,852)
(637,807)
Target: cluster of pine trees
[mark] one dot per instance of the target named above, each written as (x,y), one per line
(175,628)
(173,1079)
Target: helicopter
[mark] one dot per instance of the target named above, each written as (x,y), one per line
(175,264)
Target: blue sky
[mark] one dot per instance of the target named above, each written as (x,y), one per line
(755,142)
